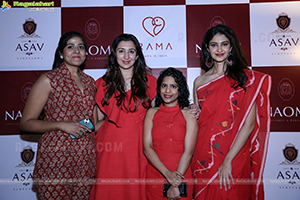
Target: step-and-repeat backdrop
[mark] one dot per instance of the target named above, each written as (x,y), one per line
(170,33)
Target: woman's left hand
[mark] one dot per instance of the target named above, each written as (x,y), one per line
(225,174)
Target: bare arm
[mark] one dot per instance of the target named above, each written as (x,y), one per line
(189,142)
(242,137)
(37,99)
(147,142)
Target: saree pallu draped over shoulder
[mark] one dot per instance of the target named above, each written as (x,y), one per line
(224,111)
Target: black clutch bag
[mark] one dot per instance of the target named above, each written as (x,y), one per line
(183,190)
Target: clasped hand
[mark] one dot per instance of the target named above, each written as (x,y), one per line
(175,179)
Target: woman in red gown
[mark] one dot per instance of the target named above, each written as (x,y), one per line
(123,96)
(234,123)
(169,138)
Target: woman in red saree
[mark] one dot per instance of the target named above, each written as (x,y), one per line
(234,123)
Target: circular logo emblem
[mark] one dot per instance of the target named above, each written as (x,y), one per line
(286,89)
(216,21)
(92,29)
(25,91)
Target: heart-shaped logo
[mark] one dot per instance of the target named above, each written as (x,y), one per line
(153,25)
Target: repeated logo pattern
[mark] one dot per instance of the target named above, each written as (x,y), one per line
(286,89)
(92,29)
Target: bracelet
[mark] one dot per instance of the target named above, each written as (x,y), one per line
(180,174)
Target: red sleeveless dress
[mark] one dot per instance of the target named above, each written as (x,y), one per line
(121,164)
(168,134)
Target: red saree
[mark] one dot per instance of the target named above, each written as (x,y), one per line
(223,113)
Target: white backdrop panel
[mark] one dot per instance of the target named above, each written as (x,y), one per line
(271,45)
(161,31)
(29,52)
(95,73)
(282,178)
(15,174)
(192,74)
(90,3)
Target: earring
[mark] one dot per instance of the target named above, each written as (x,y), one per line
(229,59)
(209,62)
(61,57)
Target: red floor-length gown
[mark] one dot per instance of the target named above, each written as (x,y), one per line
(121,164)
(168,134)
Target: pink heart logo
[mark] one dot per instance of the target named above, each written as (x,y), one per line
(153,26)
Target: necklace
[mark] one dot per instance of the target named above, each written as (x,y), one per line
(127,85)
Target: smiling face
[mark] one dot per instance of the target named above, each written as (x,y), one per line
(169,91)
(126,54)
(219,48)
(74,52)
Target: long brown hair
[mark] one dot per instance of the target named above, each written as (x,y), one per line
(114,81)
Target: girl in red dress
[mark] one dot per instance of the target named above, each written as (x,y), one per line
(169,138)
(123,96)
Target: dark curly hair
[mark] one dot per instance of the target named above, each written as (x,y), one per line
(236,71)
(62,44)
(183,96)
(114,81)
